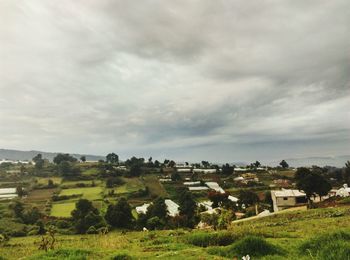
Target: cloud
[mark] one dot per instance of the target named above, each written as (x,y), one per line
(218,80)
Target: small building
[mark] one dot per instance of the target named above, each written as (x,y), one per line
(204,170)
(343,192)
(198,188)
(285,198)
(215,186)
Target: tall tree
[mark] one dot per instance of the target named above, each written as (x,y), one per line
(346,173)
(119,215)
(112,158)
(85,215)
(312,183)
(158,209)
(39,161)
(284,164)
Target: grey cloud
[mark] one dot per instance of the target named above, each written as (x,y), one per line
(220,80)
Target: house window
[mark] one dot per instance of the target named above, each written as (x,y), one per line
(285,198)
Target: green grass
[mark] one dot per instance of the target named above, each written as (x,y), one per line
(90,193)
(91,171)
(130,185)
(62,210)
(284,236)
(154,186)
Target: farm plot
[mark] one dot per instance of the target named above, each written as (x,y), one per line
(90,193)
(130,185)
(62,210)
(154,186)
(45,181)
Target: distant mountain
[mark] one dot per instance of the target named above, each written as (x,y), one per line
(336,161)
(28,155)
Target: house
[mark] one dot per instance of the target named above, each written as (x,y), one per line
(205,170)
(343,192)
(215,186)
(198,188)
(285,198)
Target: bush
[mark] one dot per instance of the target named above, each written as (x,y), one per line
(319,243)
(121,256)
(76,254)
(335,250)
(211,239)
(250,245)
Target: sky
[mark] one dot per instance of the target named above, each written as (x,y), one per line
(223,81)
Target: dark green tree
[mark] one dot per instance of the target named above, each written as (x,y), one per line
(346,173)
(83,158)
(284,164)
(39,161)
(63,157)
(85,215)
(119,215)
(158,209)
(248,197)
(112,158)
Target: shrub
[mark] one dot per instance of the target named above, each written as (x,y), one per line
(335,250)
(250,245)
(319,243)
(211,239)
(76,254)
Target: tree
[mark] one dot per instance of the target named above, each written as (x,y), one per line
(63,157)
(112,158)
(227,169)
(119,215)
(175,176)
(248,198)
(83,158)
(39,161)
(205,164)
(311,182)
(156,164)
(20,191)
(346,173)
(158,209)
(17,208)
(217,198)
(85,215)
(258,164)
(135,170)
(284,164)
(187,204)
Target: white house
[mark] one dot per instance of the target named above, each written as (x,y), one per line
(215,186)
(343,192)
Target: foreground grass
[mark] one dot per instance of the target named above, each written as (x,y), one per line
(292,235)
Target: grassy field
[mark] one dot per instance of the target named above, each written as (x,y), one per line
(286,231)
(90,193)
(62,210)
(131,185)
(154,186)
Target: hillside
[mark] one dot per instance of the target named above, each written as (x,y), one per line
(293,234)
(28,155)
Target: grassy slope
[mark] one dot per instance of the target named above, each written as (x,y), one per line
(286,230)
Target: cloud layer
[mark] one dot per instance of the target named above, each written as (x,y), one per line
(215,80)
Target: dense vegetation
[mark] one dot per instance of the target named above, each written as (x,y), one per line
(97,200)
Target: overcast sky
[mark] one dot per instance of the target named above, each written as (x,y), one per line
(223,81)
